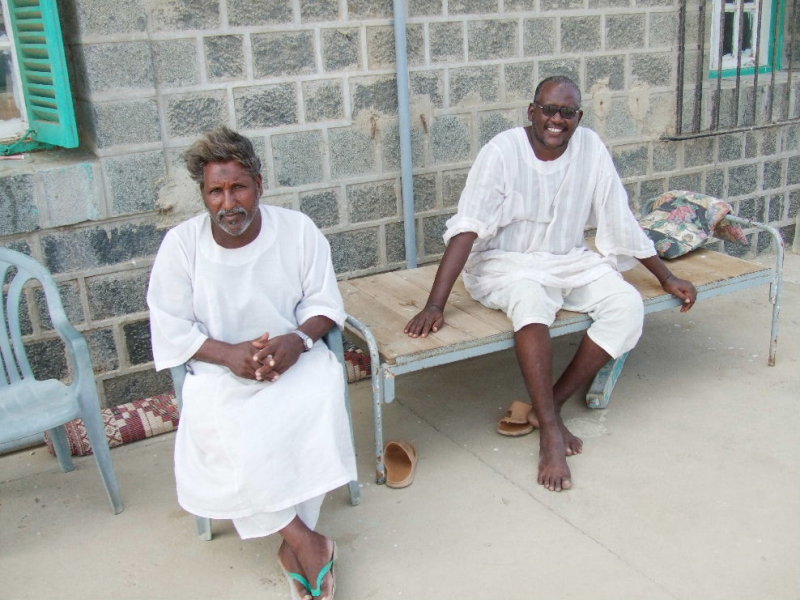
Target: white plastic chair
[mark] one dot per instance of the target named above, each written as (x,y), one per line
(333,339)
(29,406)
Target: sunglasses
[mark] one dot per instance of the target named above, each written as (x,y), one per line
(550,110)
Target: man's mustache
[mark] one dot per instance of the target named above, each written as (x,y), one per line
(229,213)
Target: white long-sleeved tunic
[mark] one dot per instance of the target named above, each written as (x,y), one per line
(243,446)
(530,215)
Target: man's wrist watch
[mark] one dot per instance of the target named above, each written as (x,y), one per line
(308,343)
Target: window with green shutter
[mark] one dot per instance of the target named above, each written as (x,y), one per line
(44,81)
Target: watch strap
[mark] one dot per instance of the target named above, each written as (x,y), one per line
(308,343)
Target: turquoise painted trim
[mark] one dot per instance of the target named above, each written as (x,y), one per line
(45,79)
(745,71)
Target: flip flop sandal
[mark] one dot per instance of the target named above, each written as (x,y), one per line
(515,423)
(291,578)
(400,459)
(315,591)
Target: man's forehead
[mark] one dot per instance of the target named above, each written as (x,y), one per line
(226,167)
(560,93)
(226,170)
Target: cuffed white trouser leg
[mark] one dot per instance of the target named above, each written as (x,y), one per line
(616,309)
(267,523)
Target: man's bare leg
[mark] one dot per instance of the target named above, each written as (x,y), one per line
(586,363)
(306,552)
(535,358)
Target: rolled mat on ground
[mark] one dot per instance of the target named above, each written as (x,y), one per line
(145,418)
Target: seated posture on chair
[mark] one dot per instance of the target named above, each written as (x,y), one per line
(243,293)
(519,230)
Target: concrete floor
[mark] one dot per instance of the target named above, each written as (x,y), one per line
(688,488)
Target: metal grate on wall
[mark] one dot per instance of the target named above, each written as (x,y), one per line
(738,66)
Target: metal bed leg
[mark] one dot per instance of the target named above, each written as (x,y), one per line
(335,342)
(776,286)
(599,394)
(376,377)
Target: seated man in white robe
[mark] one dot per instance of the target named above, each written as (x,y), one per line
(519,236)
(242,294)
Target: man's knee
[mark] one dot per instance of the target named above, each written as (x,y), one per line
(629,305)
(618,323)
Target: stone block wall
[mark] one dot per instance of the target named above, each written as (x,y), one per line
(313,83)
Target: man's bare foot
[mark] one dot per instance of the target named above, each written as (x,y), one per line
(553,470)
(573,444)
(290,564)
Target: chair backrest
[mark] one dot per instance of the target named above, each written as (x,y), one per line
(18,269)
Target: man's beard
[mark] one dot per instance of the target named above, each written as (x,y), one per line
(220,216)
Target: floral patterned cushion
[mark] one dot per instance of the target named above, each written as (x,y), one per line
(681,221)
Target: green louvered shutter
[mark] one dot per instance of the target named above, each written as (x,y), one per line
(43,68)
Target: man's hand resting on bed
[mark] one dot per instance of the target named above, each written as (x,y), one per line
(430,318)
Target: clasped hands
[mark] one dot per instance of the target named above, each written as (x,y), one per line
(265,358)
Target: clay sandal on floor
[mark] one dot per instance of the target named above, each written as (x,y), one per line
(400,459)
(516,423)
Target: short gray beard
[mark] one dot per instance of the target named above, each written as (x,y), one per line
(234,211)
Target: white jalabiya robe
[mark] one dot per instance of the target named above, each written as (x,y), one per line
(243,446)
(530,215)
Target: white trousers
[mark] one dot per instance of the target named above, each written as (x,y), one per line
(615,306)
(267,523)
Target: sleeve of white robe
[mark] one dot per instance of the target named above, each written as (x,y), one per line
(481,203)
(619,235)
(321,296)
(176,333)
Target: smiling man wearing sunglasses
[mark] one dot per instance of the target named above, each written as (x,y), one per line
(519,235)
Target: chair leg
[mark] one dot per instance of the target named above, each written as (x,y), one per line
(61,446)
(355,493)
(203,528)
(97,437)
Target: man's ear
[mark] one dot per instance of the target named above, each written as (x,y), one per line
(530,112)
(580,116)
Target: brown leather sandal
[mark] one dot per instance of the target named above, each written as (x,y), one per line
(400,459)
(515,423)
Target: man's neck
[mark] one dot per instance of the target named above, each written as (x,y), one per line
(541,151)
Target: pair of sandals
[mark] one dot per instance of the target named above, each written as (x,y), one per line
(313,592)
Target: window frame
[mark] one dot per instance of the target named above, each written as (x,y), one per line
(8,46)
(42,67)
(765,37)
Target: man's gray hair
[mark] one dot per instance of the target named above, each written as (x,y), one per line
(221,145)
(557,79)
